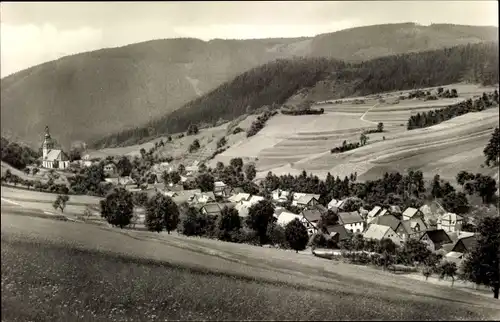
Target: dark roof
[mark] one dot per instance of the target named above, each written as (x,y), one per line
(438,236)
(468,242)
(339,229)
(212,208)
(320,207)
(350,217)
(312,215)
(387,220)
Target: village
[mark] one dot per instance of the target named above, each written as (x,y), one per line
(442,231)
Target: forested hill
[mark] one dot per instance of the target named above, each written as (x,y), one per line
(273,83)
(101,92)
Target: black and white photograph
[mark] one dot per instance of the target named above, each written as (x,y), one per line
(250,161)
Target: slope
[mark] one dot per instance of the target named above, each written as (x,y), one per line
(97,93)
(279,82)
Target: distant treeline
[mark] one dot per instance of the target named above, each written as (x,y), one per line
(303,112)
(274,83)
(437,116)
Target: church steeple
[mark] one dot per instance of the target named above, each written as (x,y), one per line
(47,143)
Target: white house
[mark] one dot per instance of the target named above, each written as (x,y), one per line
(378,232)
(280,196)
(242,196)
(450,222)
(352,221)
(53,158)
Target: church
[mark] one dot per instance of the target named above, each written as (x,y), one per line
(53,158)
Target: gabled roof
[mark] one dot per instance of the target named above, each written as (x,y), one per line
(304,200)
(456,255)
(339,229)
(469,242)
(312,215)
(433,208)
(255,199)
(285,217)
(212,208)
(374,212)
(320,207)
(332,203)
(375,231)
(56,154)
(410,212)
(218,184)
(383,212)
(437,236)
(410,225)
(388,220)
(350,217)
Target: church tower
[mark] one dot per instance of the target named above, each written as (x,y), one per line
(47,143)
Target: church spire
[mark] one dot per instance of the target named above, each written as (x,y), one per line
(47,134)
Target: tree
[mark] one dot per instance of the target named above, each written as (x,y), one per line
(259,217)
(456,203)
(181,168)
(486,187)
(124,166)
(205,181)
(142,151)
(161,211)
(352,204)
(380,127)
(363,139)
(34,171)
(437,191)
(192,224)
(415,251)
(117,207)
(60,202)
(296,235)
(276,235)
(175,177)
(74,155)
(194,146)
(192,129)
(386,245)
(236,163)
(448,269)
(427,271)
(27,171)
(229,223)
(482,265)
(140,198)
(250,172)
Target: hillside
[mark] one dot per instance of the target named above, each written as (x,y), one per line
(97,93)
(279,82)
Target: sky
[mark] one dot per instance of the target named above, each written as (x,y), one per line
(37,32)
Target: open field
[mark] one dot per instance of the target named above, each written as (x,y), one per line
(93,273)
(31,199)
(42,175)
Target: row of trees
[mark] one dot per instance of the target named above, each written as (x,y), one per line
(49,186)
(492,149)
(437,116)
(259,123)
(379,129)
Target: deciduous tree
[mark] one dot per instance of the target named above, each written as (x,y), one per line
(259,217)
(296,235)
(117,207)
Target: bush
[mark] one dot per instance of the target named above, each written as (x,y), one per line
(345,147)
(221,142)
(259,123)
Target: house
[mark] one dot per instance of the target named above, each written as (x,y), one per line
(280,196)
(413,228)
(310,218)
(239,197)
(286,217)
(435,239)
(334,203)
(220,189)
(337,232)
(450,222)
(373,213)
(243,208)
(388,220)
(255,199)
(53,158)
(204,197)
(465,244)
(379,232)
(213,209)
(432,211)
(352,221)
(411,213)
(182,195)
(308,200)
